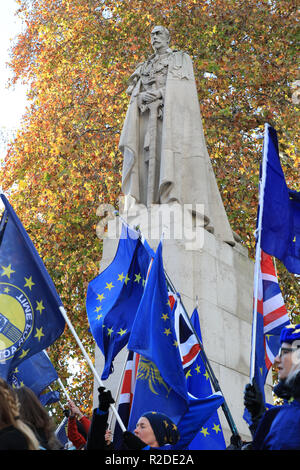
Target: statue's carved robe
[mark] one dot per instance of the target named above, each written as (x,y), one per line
(185,173)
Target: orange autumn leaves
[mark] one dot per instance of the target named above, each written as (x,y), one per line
(77,56)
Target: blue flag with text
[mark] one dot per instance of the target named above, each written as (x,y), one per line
(114,295)
(30,319)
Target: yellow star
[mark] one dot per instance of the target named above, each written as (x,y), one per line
(121,277)
(144,282)
(175,343)
(168,303)
(121,332)
(127,279)
(6,290)
(21,384)
(167,331)
(24,353)
(204,432)
(109,331)
(100,297)
(16,370)
(188,374)
(40,307)
(206,375)
(216,427)
(197,369)
(7,271)
(29,282)
(97,309)
(137,278)
(39,333)
(99,316)
(165,316)
(109,286)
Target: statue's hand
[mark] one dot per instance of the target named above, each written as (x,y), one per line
(150,96)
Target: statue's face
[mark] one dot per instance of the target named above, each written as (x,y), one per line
(159,39)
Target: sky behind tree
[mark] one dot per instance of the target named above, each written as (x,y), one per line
(13,100)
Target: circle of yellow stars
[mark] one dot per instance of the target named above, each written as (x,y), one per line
(29,283)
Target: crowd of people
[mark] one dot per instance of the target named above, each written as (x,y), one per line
(26,425)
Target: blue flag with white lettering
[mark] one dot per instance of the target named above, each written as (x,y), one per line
(36,373)
(114,295)
(30,319)
(280,230)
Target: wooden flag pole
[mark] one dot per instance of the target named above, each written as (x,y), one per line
(96,375)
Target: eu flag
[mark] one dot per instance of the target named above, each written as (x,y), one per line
(210,436)
(280,228)
(114,295)
(36,373)
(30,319)
(153,337)
(49,397)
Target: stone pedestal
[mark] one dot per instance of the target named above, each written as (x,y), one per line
(219,277)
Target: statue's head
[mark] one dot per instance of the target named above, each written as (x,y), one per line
(160,38)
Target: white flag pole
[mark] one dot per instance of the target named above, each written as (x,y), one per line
(258,248)
(96,375)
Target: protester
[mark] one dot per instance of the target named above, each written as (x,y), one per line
(279,427)
(14,433)
(78,426)
(36,416)
(153,429)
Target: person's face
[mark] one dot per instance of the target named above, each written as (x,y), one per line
(284,360)
(159,39)
(145,432)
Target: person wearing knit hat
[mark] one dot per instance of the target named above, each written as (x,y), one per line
(279,427)
(156,429)
(153,429)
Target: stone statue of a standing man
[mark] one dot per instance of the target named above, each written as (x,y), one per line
(162,140)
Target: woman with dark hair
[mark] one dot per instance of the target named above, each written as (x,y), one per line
(14,433)
(35,415)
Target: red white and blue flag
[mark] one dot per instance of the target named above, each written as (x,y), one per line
(126,395)
(188,343)
(272,316)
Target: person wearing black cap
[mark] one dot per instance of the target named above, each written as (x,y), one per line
(153,429)
(279,427)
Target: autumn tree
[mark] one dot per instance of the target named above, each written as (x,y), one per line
(76,56)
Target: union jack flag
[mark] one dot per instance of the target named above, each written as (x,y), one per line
(272,316)
(126,395)
(188,343)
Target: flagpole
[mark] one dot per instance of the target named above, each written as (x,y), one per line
(96,375)
(258,250)
(209,369)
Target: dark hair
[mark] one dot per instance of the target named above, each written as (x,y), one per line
(36,416)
